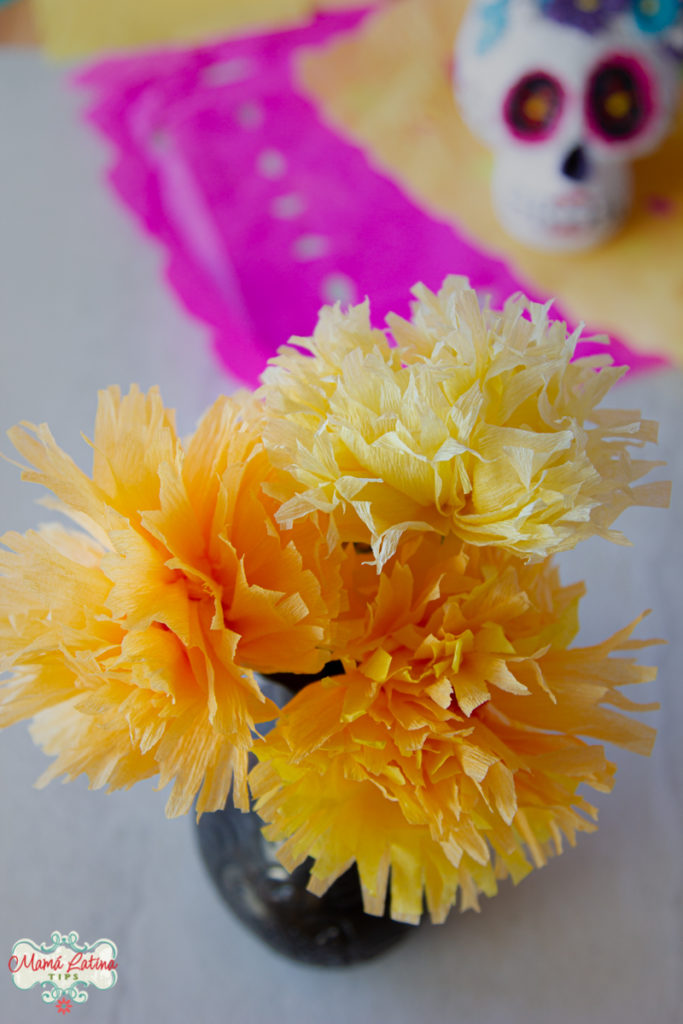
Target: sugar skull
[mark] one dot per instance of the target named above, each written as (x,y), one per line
(567,93)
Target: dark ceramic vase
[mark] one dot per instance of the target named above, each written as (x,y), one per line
(330,930)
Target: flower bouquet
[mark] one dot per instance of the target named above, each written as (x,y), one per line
(374,527)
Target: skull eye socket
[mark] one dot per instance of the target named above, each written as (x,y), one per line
(533,106)
(619,99)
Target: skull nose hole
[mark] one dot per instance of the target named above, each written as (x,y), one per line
(575,165)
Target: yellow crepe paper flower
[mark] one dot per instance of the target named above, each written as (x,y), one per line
(472,421)
(135,644)
(449,754)
(462,452)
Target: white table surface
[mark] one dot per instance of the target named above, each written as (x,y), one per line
(594,937)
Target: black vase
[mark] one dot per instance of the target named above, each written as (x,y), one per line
(329,930)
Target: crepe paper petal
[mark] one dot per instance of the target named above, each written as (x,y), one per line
(448,796)
(465,420)
(135,645)
(442,729)
(76,28)
(388,88)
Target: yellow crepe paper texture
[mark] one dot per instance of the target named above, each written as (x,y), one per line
(74,28)
(448,756)
(469,421)
(449,750)
(136,644)
(388,87)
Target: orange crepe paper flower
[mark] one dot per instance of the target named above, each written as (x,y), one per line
(135,645)
(469,421)
(450,753)
(449,750)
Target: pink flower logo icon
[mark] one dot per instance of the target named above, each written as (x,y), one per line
(63,1005)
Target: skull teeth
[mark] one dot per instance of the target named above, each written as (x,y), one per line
(553,215)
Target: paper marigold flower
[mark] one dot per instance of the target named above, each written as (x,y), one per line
(472,421)
(135,644)
(450,753)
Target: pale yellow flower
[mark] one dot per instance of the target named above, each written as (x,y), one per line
(468,421)
(450,753)
(135,645)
